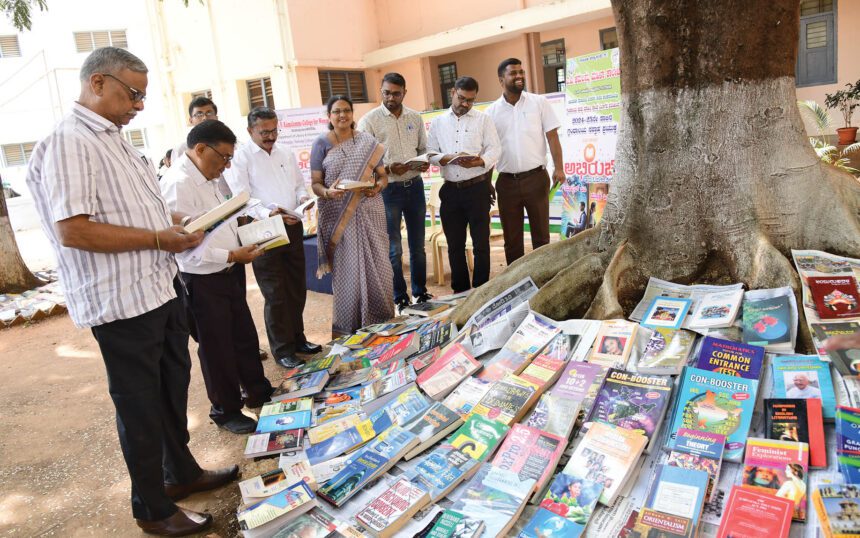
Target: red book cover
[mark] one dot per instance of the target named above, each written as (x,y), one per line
(835,297)
(815,420)
(750,514)
(447,371)
(397,350)
(530,453)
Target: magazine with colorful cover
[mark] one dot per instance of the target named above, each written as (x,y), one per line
(666,312)
(835,297)
(572,498)
(804,376)
(632,401)
(389,512)
(716,310)
(614,343)
(752,514)
(533,334)
(778,468)
(846,361)
(495,496)
(731,358)
(478,437)
(716,403)
(666,352)
(607,454)
(699,451)
(554,414)
(531,453)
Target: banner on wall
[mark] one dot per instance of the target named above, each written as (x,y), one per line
(297,130)
(592,110)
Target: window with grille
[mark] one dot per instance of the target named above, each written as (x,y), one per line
(17,154)
(816,52)
(348,83)
(260,93)
(447,78)
(9,46)
(90,41)
(135,137)
(202,93)
(552,52)
(608,38)
(553,57)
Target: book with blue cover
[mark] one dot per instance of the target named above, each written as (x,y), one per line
(408,406)
(293,421)
(352,477)
(350,439)
(679,492)
(804,376)
(848,443)
(666,312)
(700,451)
(731,358)
(441,470)
(716,403)
(545,524)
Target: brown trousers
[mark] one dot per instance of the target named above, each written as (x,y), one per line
(530,192)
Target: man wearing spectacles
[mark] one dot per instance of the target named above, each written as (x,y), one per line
(213,281)
(401,131)
(468,148)
(270,173)
(199,110)
(115,239)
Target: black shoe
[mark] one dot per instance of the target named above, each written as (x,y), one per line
(423,298)
(239,424)
(252,403)
(400,304)
(308,347)
(289,361)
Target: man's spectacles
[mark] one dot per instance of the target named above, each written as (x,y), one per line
(208,115)
(464,100)
(268,133)
(396,95)
(227,158)
(136,95)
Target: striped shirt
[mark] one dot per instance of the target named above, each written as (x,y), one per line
(86,167)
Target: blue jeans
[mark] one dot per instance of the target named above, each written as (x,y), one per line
(406,200)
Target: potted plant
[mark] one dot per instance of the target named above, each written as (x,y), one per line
(846,101)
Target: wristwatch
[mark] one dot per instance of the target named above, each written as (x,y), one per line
(185,220)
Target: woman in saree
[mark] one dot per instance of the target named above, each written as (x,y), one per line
(352,238)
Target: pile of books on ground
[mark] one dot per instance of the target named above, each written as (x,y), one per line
(33,305)
(692,418)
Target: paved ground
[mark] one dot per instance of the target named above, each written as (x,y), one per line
(61,473)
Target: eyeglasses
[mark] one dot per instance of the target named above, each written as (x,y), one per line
(396,95)
(136,95)
(268,133)
(339,111)
(227,158)
(465,100)
(208,115)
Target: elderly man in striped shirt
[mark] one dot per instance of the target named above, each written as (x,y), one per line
(114,237)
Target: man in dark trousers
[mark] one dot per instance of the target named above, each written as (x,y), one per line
(269,172)
(114,238)
(213,281)
(468,148)
(525,123)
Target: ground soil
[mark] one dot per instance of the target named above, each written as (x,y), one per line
(61,471)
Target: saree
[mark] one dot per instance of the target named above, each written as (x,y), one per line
(352,241)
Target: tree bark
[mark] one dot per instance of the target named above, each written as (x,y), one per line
(14,275)
(715,179)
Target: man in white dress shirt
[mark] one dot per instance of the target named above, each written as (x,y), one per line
(525,123)
(469,148)
(114,238)
(270,173)
(213,278)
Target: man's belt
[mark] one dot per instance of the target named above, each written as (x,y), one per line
(469,182)
(521,175)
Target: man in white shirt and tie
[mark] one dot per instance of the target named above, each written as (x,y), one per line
(469,148)
(525,123)
(270,173)
(213,278)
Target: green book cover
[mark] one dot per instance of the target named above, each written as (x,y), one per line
(478,437)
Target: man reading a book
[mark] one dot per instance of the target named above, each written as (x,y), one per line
(114,237)
(401,131)
(269,172)
(525,123)
(467,194)
(213,281)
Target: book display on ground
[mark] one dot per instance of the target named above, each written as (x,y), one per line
(580,428)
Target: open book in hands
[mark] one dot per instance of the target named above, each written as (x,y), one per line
(417,162)
(347,185)
(267,233)
(300,212)
(462,158)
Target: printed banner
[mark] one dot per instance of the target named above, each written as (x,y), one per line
(297,130)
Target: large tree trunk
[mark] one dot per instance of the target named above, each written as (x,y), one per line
(715,179)
(14,275)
